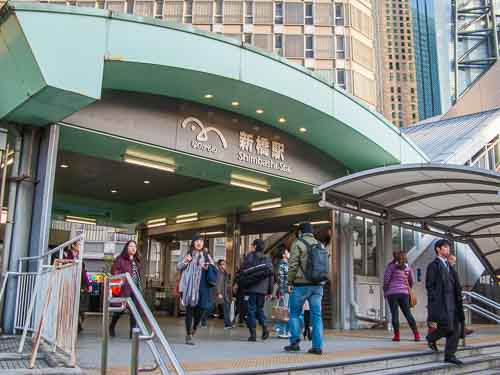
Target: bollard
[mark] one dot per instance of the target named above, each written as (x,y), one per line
(105,323)
(134,357)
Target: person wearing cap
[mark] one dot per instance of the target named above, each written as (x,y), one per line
(194,289)
(257,293)
(302,290)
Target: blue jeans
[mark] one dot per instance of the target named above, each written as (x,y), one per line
(256,310)
(313,294)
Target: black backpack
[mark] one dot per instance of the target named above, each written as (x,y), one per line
(261,269)
(317,266)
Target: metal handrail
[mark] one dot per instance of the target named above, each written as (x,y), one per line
(479,309)
(143,334)
(483,299)
(59,249)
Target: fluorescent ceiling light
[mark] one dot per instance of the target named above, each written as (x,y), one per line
(249,183)
(64,166)
(186,218)
(153,223)
(320,222)
(80,220)
(266,204)
(259,111)
(266,207)
(211,233)
(166,166)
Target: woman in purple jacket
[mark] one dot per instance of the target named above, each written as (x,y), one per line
(127,261)
(398,280)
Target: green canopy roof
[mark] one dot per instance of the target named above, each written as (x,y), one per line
(56,60)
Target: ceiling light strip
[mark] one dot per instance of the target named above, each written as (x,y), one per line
(149,163)
(266,202)
(266,207)
(80,220)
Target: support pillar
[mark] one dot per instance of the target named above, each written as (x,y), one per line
(335,272)
(20,209)
(387,256)
(344,274)
(233,238)
(44,190)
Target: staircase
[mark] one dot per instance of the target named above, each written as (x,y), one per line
(478,360)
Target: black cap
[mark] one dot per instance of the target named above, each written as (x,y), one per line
(305,227)
(259,245)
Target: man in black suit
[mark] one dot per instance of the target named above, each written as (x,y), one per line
(445,307)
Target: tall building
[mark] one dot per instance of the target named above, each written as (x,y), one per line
(332,38)
(426,58)
(398,99)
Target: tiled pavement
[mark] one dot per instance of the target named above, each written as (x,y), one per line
(219,350)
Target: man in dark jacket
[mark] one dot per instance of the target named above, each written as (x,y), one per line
(256,294)
(445,307)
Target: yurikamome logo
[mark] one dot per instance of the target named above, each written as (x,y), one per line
(201,141)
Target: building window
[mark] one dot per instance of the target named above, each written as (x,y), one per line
(219,11)
(247,38)
(341,78)
(249,12)
(278,44)
(188,12)
(278,13)
(309,46)
(309,19)
(339,14)
(340,46)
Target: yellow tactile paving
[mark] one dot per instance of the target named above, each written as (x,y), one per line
(302,358)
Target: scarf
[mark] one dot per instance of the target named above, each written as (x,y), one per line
(189,285)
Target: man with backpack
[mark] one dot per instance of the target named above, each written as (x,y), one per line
(307,272)
(256,277)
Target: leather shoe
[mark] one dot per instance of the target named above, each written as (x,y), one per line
(432,345)
(292,348)
(316,351)
(454,360)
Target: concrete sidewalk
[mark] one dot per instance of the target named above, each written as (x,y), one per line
(218,350)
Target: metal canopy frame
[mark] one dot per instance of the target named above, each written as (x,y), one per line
(376,194)
(473,27)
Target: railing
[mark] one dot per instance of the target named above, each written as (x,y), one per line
(147,329)
(469,297)
(47,300)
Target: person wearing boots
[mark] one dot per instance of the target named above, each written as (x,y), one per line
(398,280)
(445,305)
(127,261)
(196,293)
(257,293)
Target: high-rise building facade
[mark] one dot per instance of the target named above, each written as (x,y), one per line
(426,58)
(398,98)
(334,39)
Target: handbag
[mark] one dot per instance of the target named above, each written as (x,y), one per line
(211,273)
(279,312)
(412,297)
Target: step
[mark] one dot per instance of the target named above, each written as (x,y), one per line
(477,358)
(472,365)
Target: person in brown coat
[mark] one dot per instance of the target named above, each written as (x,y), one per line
(127,261)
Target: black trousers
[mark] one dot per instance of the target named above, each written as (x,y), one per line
(452,335)
(193,318)
(401,301)
(117,315)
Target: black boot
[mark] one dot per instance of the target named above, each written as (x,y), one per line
(265,333)
(112,325)
(253,335)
